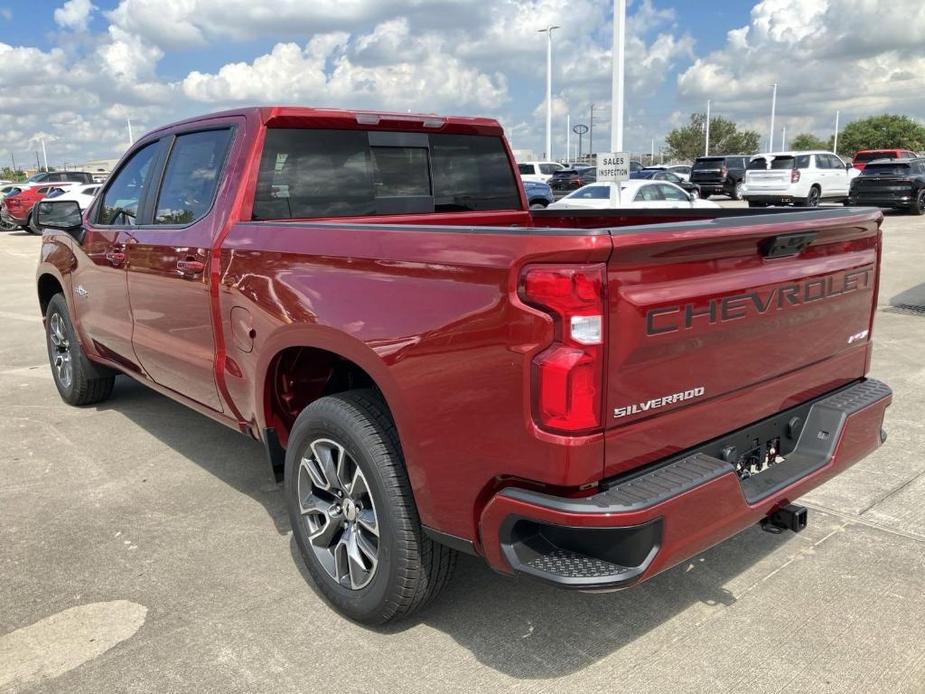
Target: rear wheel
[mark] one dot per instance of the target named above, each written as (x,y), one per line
(28,226)
(78,380)
(812,198)
(737,191)
(918,207)
(353,514)
(538,205)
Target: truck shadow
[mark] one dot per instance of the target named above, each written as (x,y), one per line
(235,459)
(515,626)
(912,297)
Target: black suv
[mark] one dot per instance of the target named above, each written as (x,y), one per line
(61,177)
(720,175)
(898,183)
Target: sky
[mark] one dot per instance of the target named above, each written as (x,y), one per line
(72,72)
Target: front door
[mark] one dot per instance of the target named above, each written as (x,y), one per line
(100,287)
(168,268)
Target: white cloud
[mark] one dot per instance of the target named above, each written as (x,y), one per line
(858,56)
(74,14)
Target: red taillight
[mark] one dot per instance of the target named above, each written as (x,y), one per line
(568,375)
(794,175)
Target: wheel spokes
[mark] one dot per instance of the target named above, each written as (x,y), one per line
(367,520)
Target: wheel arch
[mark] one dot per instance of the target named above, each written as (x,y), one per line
(47,285)
(307,363)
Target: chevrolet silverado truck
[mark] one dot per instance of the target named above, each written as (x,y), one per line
(585,398)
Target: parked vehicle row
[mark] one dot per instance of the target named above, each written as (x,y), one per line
(17,200)
(658,174)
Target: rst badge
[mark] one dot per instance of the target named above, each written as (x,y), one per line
(655,403)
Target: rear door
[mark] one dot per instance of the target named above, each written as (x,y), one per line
(168,266)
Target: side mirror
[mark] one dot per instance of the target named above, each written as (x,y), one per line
(849,166)
(64,215)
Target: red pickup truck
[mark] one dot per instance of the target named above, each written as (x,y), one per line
(584,398)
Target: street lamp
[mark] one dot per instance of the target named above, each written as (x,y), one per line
(619,41)
(548,32)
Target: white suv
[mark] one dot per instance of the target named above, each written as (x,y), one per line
(800,178)
(539,171)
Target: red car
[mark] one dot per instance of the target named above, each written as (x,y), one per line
(16,209)
(586,398)
(865,155)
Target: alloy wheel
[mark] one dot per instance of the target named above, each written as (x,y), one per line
(61,350)
(339,513)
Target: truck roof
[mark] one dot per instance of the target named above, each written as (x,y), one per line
(281,116)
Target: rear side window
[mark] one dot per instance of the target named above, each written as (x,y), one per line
(306,173)
(548,169)
(759,164)
(120,202)
(592,193)
(525,168)
(673,193)
(191,177)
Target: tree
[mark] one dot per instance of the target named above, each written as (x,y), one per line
(886,131)
(686,143)
(809,141)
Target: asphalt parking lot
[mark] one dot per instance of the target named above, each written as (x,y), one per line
(144,549)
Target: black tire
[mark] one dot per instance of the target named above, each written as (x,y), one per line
(538,204)
(411,568)
(918,207)
(812,198)
(88,383)
(28,226)
(736,193)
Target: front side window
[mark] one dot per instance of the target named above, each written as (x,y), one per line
(191,177)
(120,202)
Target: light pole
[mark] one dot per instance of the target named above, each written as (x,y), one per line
(44,154)
(548,32)
(706,144)
(835,143)
(616,101)
(131,136)
(783,138)
(773,108)
(568,138)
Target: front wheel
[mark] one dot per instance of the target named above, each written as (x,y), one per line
(30,227)
(78,380)
(737,191)
(353,514)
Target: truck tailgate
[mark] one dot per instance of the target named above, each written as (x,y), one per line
(709,332)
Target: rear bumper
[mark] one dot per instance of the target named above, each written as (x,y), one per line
(885,200)
(647,522)
(713,188)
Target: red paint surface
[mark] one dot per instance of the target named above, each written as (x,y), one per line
(433,316)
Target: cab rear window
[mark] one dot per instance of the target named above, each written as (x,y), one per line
(886,170)
(307,173)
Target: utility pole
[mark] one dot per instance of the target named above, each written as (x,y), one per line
(591,131)
(783,138)
(131,137)
(38,165)
(44,154)
(568,137)
(616,102)
(773,108)
(548,32)
(652,153)
(835,143)
(706,144)
(13,157)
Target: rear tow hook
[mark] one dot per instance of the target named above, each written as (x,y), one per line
(789,517)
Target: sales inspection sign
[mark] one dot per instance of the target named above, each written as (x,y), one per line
(614,166)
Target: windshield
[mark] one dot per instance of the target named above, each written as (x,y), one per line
(35,178)
(645,173)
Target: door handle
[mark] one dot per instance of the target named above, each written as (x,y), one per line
(190,266)
(115,258)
